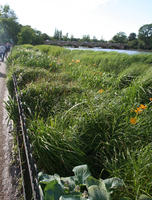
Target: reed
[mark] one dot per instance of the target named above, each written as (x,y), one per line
(88,107)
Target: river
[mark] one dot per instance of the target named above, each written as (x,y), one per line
(130,52)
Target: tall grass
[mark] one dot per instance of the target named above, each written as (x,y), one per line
(88,107)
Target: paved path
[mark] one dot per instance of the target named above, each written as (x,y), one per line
(6,186)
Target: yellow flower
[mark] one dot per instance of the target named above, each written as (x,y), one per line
(72,60)
(77,61)
(143,106)
(101,91)
(133,120)
(150,99)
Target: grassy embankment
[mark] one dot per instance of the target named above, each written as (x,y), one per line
(88,107)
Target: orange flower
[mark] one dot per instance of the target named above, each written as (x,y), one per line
(77,61)
(101,91)
(143,106)
(72,60)
(133,120)
(150,99)
(138,110)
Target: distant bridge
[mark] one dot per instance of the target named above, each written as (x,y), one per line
(76,44)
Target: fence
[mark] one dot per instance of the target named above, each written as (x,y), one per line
(28,167)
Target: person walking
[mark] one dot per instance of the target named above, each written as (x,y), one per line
(2,52)
(7,48)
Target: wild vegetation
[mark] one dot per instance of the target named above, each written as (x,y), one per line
(86,107)
(81,186)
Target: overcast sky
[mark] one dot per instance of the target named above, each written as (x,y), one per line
(100,18)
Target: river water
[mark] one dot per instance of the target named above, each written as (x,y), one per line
(131,52)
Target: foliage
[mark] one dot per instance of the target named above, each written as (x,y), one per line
(132,36)
(145,35)
(120,37)
(29,58)
(9,25)
(57,34)
(27,35)
(81,186)
(6,12)
(86,38)
(88,107)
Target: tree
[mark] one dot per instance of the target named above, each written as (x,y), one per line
(12,31)
(66,37)
(86,38)
(132,36)
(94,39)
(26,35)
(133,44)
(132,41)
(120,38)
(9,25)
(145,36)
(6,12)
(45,37)
(58,34)
(72,38)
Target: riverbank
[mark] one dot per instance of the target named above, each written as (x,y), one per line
(86,107)
(91,45)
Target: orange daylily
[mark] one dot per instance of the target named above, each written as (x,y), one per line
(77,61)
(143,106)
(133,120)
(101,91)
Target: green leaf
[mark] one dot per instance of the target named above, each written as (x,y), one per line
(45,178)
(69,182)
(81,173)
(144,197)
(98,192)
(53,191)
(113,183)
(70,197)
(91,181)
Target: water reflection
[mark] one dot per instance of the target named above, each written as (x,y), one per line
(131,52)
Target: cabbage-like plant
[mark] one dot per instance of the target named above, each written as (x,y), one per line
(81,186)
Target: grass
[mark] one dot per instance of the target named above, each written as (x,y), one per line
(81,108)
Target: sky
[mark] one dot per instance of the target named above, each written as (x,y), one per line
(100,18)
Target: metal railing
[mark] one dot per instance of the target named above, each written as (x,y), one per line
(28,167)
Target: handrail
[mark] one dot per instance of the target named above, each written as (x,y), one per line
(30,165)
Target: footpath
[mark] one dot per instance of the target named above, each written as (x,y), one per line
(7,189)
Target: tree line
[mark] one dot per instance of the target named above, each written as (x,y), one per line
(12,31)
